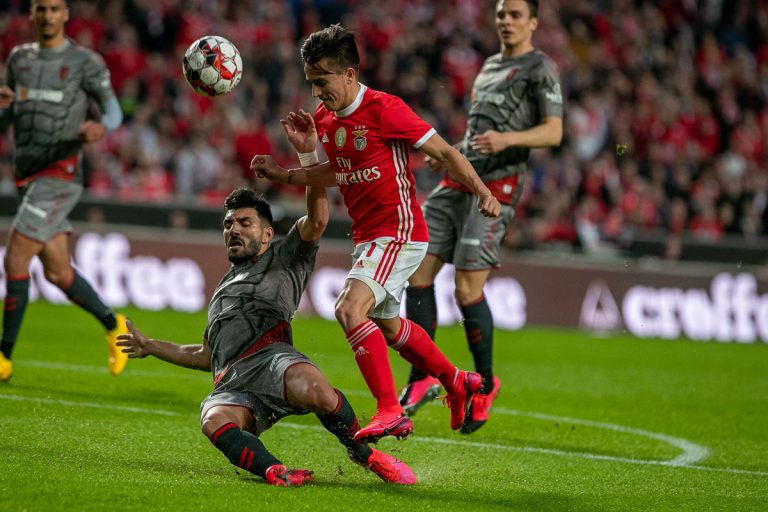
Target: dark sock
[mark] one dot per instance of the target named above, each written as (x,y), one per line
(16,299)
(421,309)
(243,449)
(83,294)
(478,325)
(343,424)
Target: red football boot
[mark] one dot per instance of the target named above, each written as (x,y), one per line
(384,424)
(480,408)
(467,384)
(279,476)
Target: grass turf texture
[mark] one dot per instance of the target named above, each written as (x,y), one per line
(580,424)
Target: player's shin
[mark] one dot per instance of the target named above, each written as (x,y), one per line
(243,449)
(16,299)
(478,326)
(421,309)
(343,424)
(415,346)
(371,356)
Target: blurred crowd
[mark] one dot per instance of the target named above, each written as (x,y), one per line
(666,115)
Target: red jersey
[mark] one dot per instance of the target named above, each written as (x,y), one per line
(367,146)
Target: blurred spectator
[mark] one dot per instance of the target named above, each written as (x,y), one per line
(666,103)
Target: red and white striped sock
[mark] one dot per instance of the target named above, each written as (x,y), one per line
(371,356)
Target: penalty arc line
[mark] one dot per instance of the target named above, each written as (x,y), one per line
(427,439)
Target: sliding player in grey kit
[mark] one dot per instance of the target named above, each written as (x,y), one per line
(516,105)
(258,376)
(50,86)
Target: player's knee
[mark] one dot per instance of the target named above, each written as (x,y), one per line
(211,422)
(15,263)
(467,295)
(62,278)
(318,397)
(346,314)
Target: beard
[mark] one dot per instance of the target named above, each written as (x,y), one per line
(246,253)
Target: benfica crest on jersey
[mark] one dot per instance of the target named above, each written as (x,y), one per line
(360,141)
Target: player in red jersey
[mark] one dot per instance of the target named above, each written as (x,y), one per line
(365,134)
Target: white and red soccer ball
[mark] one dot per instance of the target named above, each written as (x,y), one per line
(212,66)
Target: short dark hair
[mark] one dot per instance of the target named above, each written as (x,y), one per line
(247,198)
(335,43)
(533,6)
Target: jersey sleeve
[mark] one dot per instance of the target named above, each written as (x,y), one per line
(297,253)
(6,114)
(547,90)
(96,81)
(399,122)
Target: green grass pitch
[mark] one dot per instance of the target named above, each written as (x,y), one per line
(582,423)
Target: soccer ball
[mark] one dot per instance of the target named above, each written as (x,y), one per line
(212,66)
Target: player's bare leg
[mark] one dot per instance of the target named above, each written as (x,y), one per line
(227,427)
(478,326)
(307,388)
(19,253)
(421,308)
(58,270)
(372,358)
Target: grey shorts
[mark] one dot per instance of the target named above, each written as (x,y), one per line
(44,205)
(257,383)
(460,234)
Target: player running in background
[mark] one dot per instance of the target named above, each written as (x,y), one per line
(258,376)
(366,134)
(50,84)
(516,105)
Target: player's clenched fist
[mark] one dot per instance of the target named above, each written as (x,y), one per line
(6,96)
(488,205)
(264,166)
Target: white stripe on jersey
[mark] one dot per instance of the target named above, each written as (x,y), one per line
(399,157)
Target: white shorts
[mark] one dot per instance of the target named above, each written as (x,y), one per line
(385,266)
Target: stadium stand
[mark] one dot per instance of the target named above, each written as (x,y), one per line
(666,145)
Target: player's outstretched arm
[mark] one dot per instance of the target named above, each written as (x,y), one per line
(319,175)
(459,167)
(137,346)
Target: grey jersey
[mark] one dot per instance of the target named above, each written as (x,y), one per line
(53,87)
(253,298)
(511,94)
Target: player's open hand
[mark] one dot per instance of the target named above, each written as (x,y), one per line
(134,343)
(91,131)
(488,142)
(488,205)
(264,166)
(300,130)
(6,96)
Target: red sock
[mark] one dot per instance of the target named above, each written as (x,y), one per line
(371,356)
(415,346)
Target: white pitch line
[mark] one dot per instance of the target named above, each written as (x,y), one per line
(692,452)
(92,405)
